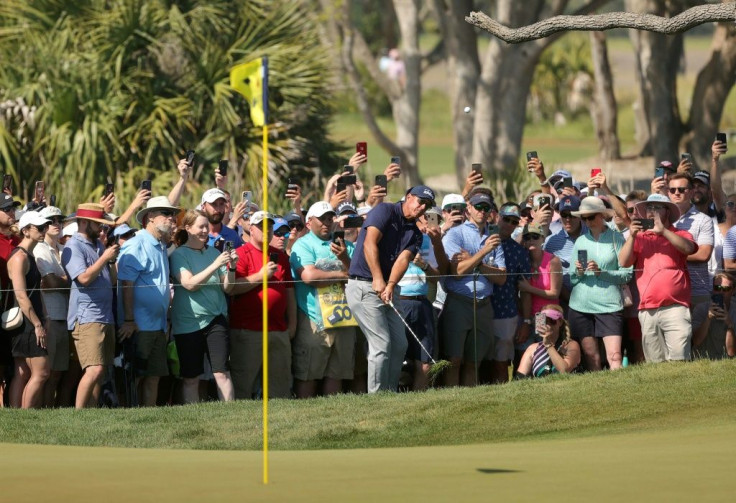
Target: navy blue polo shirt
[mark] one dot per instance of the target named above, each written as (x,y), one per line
(398,234)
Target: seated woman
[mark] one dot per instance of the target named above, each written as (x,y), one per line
(557,353)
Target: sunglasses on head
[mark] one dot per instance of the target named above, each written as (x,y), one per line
(722,288)
(678,190)
(532,237)
(589,218)
(482,207)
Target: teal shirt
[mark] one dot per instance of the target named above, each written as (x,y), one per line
(311,250)
(194,310)
(599,294)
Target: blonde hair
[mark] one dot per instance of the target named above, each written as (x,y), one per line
(182,235)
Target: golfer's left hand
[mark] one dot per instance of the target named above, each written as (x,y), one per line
(387,295)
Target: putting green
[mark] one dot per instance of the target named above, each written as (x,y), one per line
(693,463)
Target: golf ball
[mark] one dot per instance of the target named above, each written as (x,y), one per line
(466,110)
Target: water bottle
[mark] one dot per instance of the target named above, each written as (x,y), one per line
(625,361)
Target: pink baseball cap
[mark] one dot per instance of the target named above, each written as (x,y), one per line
(552,313)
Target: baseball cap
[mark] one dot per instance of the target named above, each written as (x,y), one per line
(51,211)
(319,209)
(6,201)
(568,203)
(481,198)
(702,177)
(423,192)
(532,229)
(122,230)
(31,218)
(212,195)
(258,217)
(510,210)
(279,223)
(558,175)
(346,207)
(451,199)
(364,210)
(292,217)
(70,229)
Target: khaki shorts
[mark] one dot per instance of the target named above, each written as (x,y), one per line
(57,345)
(95,343)
(150,354)
(246,363)
(322,353)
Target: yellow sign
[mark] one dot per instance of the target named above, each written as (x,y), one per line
(334,307)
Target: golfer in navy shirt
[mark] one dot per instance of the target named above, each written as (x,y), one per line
(387,243)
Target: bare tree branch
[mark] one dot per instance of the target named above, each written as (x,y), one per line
(436,55)
(690,18)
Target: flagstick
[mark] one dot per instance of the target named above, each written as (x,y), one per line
(265,306)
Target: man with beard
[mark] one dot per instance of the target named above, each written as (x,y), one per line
(90,316)
(143,268)
(8,241)
(214,205)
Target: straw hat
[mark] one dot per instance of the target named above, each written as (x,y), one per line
(672,210)
(91,211)
(153,204)
(592,205)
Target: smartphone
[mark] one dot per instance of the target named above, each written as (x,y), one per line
(293,183)
(717,299)
(594,172)
(583,258)
(646,223)
(396,160)
(492,229)
(146,185)
(228,246)
(721,137)
(52,201)
(340,187)
(531,155)
(362,148)
(567,182)
(478,168)
(354,222)
(273,257)
(190,157)
(224,163)
(686,157)
(658,172)
(348,169)
(247,196)
(382,180)
(219,244)
(40,189)
(109,189)
(540,320)
(7,182)
(541,200)
(338,234)
(433,220)
(348,179)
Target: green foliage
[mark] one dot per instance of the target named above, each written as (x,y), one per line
(636,399)
(120,90)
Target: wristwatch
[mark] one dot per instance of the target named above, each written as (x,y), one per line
(528,321)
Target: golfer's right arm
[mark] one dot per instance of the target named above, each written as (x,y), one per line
(370,249)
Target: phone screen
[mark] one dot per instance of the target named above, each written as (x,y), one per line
(223,167)
(717,299)
(658,172)
(273,257)
(146,185)
(382,180)
(583,258)
(686,156)
(721,137)
(646,223)
(338,234)
(353,222)
(190,157)
(478,168)
(396,160)
(109,189)
(340,187)
(567,182)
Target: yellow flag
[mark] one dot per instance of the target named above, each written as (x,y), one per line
(251,80)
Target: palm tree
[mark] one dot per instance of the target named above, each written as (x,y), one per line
(99,91)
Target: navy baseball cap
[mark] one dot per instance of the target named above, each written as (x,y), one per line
(346,207)
(422,192)
(481,198)
(568,203)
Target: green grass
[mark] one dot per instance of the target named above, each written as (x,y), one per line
(635,399)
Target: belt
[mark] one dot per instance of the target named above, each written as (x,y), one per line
(360,278)
(412,297)
(468,300)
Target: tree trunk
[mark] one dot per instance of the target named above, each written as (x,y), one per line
(406,107)
(658,61)
(712,87)
(463,69)
(603,108)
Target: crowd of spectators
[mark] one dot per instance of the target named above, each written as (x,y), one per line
(363,294)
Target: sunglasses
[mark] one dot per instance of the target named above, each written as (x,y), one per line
(426,202)
(678,190)
(509,220)
(296,225)
(589,218)
(42,228)
(567,214)
(482,207)
(730,204)
(167,213)
(550,321)
(455,207)
(631,210)
(656,207)
(9,209)
(281,233)
(56,221)
(532,237)
(721,288)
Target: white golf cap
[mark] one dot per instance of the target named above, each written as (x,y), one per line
(212,195)
(259,216)
(451,199)
(31,218)
(52,211)
(319,209)
(70,229)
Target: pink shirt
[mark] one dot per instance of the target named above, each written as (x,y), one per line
(661,270)
(542,280)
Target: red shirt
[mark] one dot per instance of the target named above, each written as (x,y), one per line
(246,310)
(7,245)
(661,270)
